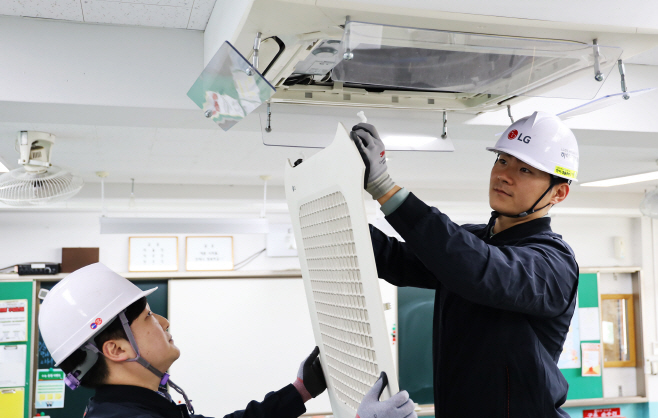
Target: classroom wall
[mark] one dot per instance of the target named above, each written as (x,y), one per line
(32,236)
(39,236)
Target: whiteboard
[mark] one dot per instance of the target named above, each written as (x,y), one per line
(239,340)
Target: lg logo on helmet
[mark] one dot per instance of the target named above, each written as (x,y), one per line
(519,137)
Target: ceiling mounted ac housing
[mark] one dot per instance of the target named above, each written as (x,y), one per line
(378,59)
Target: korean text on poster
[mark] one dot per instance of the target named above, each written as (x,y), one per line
(13,320)
(50,389)
(605,412)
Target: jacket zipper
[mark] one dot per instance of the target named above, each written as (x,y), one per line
(508,389)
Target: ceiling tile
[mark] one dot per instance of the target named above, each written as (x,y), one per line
(48,9)
(176,149)
(121,13)
(184,135)
(201,11)
(174,3)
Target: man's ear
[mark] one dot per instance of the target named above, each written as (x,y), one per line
(560,192)
(118,350)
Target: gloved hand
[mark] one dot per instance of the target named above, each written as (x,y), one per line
(373,153)
(310,378)
(397,406)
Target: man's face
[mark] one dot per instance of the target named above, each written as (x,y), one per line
(155,343)
(515,186)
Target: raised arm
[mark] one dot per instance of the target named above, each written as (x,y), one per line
(538,278)
(397,264)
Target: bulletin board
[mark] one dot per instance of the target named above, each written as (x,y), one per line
(10,400)
(585,387)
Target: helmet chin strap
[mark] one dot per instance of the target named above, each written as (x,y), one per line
(73,379)
(164,377)
(532,209)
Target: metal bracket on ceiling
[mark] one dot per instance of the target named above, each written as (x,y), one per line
(268,127)
(254,57)
(509,113)
(444,131)
(622,72)
(598,75)
(348,55)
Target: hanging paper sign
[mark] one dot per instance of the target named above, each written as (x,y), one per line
(50,389)
(591,359)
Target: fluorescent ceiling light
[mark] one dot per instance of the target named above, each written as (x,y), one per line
(3,168)
(416,143)
(618,181)
(183,225)
(402,140)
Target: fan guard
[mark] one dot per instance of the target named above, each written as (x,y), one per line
(20,187)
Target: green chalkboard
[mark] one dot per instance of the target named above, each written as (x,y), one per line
(75,401)
(415,313)
(585,387)
(22,290)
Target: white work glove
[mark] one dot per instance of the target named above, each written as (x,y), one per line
(397,406)
(373,153)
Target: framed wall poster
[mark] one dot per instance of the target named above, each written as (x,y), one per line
(153,254)
(208,253)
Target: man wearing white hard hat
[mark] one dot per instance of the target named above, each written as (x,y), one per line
(100,330)
(505,290)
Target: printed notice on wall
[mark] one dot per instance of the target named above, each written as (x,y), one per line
(589,324)
(591,359)
(12,365)
(209,253)
(605,412)
(50,389)
(570,357)
(13,320)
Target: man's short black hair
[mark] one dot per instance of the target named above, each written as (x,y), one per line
(559,180)
(99,372)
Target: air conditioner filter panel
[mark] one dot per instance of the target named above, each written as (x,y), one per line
(325,198)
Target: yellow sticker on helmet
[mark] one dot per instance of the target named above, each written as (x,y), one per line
(565,172)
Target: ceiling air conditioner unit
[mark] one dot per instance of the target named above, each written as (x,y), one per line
(373,65)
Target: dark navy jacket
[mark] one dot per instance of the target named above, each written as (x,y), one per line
(118,401)
(502,310)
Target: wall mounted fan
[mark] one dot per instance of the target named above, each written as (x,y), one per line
(37,182)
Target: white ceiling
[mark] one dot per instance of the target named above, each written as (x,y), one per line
(180,14)
(649,57)
(630,13)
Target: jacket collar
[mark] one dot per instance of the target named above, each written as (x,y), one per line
(146,398)
(519,231)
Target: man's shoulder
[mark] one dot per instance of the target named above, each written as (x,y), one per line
(474,228)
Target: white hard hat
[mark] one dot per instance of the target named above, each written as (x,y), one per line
(542,141)
(81,305)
